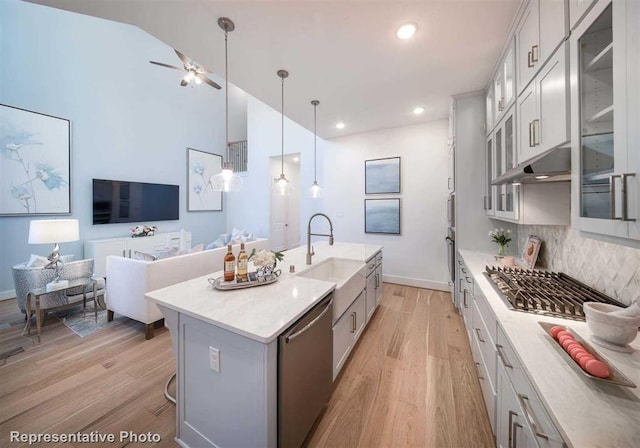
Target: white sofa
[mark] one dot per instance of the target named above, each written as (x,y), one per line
(128,279)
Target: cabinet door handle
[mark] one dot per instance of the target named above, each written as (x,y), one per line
(501,104)
(531,417)
(511,415)
(516,425)
(353,322)
(478,372)
(484,202)
(534,54)
(529,59)
(531,143)
(464,298)
(377,281)
(123,252)
(503,357)
(129,253)
(612,193)
(479,335)
(625,210)
(536,130)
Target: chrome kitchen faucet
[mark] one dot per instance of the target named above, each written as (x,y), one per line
(310,251)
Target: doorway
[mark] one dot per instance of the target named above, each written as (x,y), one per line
(285,210)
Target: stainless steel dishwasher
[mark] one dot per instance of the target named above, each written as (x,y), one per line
(305,356)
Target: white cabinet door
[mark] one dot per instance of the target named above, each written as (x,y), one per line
(360,312)
(370,295)
(527,114)
(489,169)
(553,27)
(527,36)
(577,10)
(378,276)
(343,341)
(553,103)
(490,109)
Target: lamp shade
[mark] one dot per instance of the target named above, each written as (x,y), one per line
(47,231)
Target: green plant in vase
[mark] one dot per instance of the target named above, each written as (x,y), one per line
(502,238)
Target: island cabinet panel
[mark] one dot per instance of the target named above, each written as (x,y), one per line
(246,383)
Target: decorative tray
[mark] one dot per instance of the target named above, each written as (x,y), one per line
(254,280)
(616,377)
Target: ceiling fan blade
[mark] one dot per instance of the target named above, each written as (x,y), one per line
(208,81)
(166,65)
(203,70)
(185,60)
(184,83)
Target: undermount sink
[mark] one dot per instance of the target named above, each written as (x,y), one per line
(349,277)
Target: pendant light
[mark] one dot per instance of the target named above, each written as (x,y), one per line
(226,180)
(315,191)
(282,186)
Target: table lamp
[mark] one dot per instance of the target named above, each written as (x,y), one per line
(47,231)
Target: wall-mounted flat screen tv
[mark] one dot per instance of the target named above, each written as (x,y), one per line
(117,201)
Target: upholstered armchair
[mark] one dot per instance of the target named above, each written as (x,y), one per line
(27,278)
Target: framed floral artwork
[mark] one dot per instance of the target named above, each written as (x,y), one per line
(35,165)
(200,167)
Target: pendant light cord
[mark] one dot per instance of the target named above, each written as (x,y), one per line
(315,140)
(226,95)
(282,145)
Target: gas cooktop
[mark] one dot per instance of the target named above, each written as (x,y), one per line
(542,292)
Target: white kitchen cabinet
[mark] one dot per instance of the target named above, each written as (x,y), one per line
(605,110)
(484,356)
(541,29)
(577,10)
(511,430)
(465,304)
(346,332)
(504,87)
(490,111)
(370,294)
(489,169)
(126,247)
(543,109)
(378,275)
(507,195)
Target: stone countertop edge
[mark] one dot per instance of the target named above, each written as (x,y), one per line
(587,412)
(247,312)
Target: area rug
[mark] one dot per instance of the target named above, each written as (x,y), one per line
(82,325)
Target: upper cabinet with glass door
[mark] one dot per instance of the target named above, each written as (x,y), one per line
(506,195)
(504,86)
(605,104)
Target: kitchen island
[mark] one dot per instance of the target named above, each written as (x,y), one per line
(226,347)
(586,412)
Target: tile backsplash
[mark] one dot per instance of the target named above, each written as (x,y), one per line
(610,268)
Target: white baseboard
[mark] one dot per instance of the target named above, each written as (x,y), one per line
(416,282)
(6,295)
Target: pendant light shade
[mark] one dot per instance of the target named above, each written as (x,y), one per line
(282,186)
(315,191)
(226,179)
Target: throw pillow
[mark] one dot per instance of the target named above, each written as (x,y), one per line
(37,261)
(144,256)
(167,252)
(197,248)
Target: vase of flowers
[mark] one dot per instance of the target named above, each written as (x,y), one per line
(265,262)
(502,238)
(139,231)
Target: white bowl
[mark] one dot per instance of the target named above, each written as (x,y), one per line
(619,330)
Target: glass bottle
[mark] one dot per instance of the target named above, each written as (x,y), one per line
(229,265)
(243,262)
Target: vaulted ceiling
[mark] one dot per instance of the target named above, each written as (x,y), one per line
(343,53)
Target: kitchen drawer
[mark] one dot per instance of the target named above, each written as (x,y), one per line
(486,385)
(378,258)
(535,414)
(371,265)
(486,312)
(485,343)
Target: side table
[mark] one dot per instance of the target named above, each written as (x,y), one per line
(36,293)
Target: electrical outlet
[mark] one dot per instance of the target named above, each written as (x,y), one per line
(214,359)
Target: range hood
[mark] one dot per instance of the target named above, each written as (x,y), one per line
(554,163)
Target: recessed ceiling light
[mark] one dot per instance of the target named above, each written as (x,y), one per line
(340,125)
(515,184)
(406,31)
(418,110)
(542,177)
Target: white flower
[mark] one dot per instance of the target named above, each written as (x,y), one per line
(263,258)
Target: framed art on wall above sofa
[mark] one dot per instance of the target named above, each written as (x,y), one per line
(200,167)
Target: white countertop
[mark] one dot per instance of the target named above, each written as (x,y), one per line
(588,413)
(263,312)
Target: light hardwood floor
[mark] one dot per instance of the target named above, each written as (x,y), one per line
(409,382)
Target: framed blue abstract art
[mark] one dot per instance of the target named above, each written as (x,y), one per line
(382,216)
(382,176)
(35,165)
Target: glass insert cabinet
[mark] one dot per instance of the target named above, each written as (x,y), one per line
(605,120)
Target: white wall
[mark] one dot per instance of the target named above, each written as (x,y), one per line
(250,208)
(417,256)
(130,119)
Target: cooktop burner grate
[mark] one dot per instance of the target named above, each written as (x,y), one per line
(542,292)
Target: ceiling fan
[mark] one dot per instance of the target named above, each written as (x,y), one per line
(195,73)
